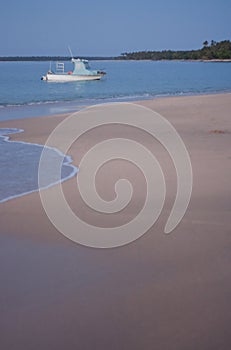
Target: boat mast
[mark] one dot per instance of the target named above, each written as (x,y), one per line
(70,51)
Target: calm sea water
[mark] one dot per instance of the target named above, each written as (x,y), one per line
(125,80)
(19,163)
(23,94)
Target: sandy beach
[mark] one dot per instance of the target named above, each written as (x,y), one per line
(162,292)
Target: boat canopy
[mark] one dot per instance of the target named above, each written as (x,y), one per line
(81,67)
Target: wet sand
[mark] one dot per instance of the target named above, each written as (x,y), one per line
(160,292)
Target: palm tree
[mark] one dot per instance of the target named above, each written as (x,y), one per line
(205,43)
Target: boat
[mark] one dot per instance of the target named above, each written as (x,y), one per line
(81,71)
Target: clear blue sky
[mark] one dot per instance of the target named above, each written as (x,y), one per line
(104,27)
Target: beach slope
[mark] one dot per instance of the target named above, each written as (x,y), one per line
(162,292)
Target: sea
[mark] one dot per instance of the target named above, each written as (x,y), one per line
(24,95)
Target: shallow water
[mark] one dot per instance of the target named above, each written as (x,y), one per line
(19,164)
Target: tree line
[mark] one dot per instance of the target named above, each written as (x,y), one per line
(215,50)
(210,51)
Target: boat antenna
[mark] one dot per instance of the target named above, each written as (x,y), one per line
(70,52)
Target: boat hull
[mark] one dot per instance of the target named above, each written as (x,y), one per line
(70,77)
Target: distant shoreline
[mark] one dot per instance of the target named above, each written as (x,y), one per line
(213,52)
(48,58)
(64,58)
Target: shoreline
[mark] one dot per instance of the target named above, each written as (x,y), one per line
(19,136)
(54,59)
(8,137)
(53,108)
(161,291)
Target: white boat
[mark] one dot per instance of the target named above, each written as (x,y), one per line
(81,71)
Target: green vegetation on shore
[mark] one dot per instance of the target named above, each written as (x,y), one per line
(215,51)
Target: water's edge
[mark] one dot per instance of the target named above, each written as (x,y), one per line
(68,162)
(41,109)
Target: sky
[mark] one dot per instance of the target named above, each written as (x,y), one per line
(108,28)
